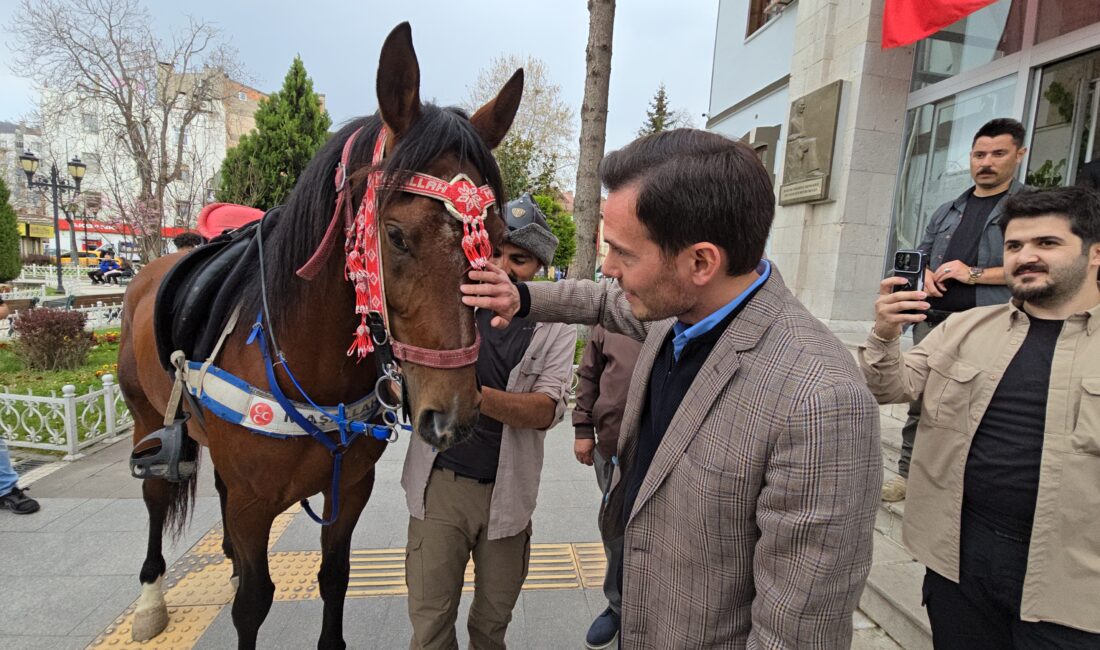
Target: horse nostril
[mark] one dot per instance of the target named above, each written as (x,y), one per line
(436,424)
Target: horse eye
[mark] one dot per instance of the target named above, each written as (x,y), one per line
(397,239)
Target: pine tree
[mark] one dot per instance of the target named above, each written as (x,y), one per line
(658,117)
(9,237)
(290,127)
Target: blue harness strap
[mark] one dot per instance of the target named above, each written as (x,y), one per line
(349,429)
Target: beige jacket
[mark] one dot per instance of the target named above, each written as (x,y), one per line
(547,368)
(958,367)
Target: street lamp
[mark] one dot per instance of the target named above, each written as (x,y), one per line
(29,162)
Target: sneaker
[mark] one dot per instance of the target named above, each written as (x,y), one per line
(604,632)
(18,502)
(894,489)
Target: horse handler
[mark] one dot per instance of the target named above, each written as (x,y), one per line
(477,497)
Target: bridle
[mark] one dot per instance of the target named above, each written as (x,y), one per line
(464,200)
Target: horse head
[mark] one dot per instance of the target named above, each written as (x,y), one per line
(423,259)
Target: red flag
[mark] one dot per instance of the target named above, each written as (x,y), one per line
(908,21)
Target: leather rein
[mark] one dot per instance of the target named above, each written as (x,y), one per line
(464,200)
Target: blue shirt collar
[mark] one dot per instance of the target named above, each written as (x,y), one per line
(685,333)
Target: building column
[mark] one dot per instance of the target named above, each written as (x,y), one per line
(832,253)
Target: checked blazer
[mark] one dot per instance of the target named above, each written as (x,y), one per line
(753,525)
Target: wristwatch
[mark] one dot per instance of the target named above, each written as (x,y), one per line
(975,273)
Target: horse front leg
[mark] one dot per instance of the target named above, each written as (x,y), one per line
(250,531)
(151,613)
(332,579)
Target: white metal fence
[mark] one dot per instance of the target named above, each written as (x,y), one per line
(49,272)
(69,423)
(22,294)
(99,316)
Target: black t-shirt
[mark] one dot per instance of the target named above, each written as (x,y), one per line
(963,246)
(500,352)
(1001,481)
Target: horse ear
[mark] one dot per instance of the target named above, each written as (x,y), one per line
(398,83)
(494,119)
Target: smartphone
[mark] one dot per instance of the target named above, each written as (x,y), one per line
(910,265)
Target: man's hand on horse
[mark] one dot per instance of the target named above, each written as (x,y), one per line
(494,291)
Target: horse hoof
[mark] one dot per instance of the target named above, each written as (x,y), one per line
(235,581)
(148,623)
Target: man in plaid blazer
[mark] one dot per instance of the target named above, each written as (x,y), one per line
(750,460)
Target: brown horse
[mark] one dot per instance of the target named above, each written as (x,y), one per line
(423,264)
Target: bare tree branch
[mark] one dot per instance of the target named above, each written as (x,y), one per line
(102,57)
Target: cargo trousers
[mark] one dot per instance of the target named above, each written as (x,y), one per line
(454,529)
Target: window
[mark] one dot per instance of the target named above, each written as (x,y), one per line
(183,211)
(1057,17)
(241,95)
(90,121)
(761,12)
(185,135)
(981,37)
(91,159)
(185,174)
(1063,133)
(936,164)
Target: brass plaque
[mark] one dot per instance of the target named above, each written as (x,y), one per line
(814,189)
(811,136)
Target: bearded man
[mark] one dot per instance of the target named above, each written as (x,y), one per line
(1004,487)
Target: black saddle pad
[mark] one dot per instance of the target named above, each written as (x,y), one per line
(198,294)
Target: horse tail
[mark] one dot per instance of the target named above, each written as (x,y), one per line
(181,494)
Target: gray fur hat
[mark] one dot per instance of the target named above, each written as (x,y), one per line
(528,229)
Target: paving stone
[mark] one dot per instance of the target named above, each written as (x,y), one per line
(43,642)
(52,510)
(51,605)
(554,525)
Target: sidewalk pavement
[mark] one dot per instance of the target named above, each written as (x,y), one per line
(70,571)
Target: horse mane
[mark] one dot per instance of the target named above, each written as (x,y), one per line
(308,210)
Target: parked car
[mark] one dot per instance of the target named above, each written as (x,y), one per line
(83,258)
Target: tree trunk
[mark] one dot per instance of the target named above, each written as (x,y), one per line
(586,207)
(75,258)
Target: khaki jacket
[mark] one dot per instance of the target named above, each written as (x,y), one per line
(957,367)
(547,368)
(753,525)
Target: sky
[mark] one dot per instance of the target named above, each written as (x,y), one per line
(655,41)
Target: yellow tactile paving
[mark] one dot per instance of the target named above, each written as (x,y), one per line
(197,586)
(592,563)
(210,544)
(207,585)
(295,574)
(185,626)
(377,572)
(552,566)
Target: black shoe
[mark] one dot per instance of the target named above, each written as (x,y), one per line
(18,502)
(604,632)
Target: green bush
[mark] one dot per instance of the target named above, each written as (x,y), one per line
(51,339)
